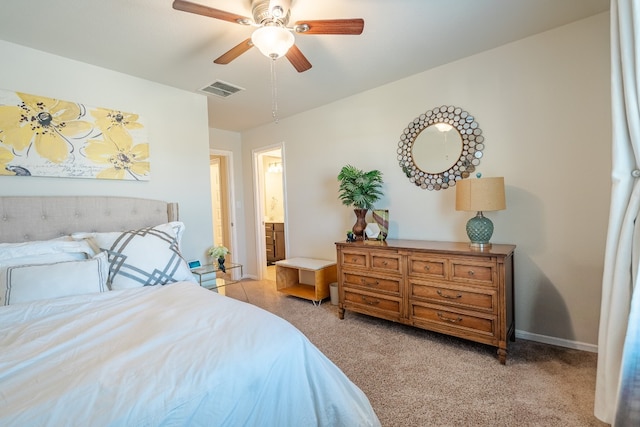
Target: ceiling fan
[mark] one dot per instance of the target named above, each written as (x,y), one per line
(272,35)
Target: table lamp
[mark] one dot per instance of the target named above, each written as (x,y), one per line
(480,195)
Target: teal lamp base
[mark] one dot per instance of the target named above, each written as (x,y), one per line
(479,230)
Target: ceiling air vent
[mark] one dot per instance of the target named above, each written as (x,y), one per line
(221,89)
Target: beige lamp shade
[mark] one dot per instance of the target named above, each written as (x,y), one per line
(481,194)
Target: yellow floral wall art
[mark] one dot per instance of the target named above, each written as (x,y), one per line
(42,136)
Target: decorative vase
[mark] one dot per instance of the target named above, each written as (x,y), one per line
(221,266)
(361,223)
(381,217)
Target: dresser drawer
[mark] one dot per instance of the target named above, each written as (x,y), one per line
(386,262)
(473,298)
(354,259)
(378,283)
(428,267)
(473,272)
(369,302)
(465,322)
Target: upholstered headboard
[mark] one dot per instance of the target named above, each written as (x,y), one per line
(26,218)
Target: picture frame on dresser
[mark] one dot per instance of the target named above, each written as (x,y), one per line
(444,287)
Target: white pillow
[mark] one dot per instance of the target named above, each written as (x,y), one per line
(26,283)
(145,257)
(39,252)
(65,245)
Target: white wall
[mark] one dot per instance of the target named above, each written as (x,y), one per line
(543,104)
(176,124)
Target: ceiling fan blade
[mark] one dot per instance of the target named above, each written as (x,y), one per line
(331,26)
(198,9)
(234,52)
(297,59)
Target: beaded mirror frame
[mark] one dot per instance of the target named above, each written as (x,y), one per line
(472,143)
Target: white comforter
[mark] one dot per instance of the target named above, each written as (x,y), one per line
(175,355)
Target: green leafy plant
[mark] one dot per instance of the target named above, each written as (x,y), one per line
(358,188)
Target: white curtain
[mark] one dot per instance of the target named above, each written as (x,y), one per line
(614,385)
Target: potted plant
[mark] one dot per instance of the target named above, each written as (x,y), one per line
(361,190)
(350,236)
(219,252)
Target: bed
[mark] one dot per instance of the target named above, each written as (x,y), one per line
(91,336)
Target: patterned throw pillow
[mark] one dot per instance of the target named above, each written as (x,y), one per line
(145,257)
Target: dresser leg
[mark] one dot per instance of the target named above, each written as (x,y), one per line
(341,313)
(502,355)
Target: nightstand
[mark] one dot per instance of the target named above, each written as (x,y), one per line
(211,277)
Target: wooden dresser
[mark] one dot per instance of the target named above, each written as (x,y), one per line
(440,286)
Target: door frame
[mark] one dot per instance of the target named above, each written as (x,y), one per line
(231,208)
(258,186)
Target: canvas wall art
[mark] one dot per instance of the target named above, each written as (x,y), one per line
(42,136)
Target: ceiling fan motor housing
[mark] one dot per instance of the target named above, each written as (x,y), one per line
(265,11)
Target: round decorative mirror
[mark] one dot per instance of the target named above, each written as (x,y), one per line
(440,147)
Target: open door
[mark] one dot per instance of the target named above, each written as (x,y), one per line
(270,202)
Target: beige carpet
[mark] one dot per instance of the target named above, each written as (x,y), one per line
(419,378)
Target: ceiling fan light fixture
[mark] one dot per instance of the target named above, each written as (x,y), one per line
(273,41)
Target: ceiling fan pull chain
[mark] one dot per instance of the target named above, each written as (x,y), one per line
(274,92)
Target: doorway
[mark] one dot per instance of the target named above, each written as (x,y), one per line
(270,203)
(223,214)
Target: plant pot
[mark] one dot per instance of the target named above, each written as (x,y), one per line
(361,223)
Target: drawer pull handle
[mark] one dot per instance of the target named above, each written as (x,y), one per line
(364,282)
(443,295)
(354,259)
(471,272)
(427,267)
(370,301)
(385,263)
(449,319)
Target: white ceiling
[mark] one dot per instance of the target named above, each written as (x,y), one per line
(151,40)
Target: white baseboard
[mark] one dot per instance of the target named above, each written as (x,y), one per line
(592,348)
